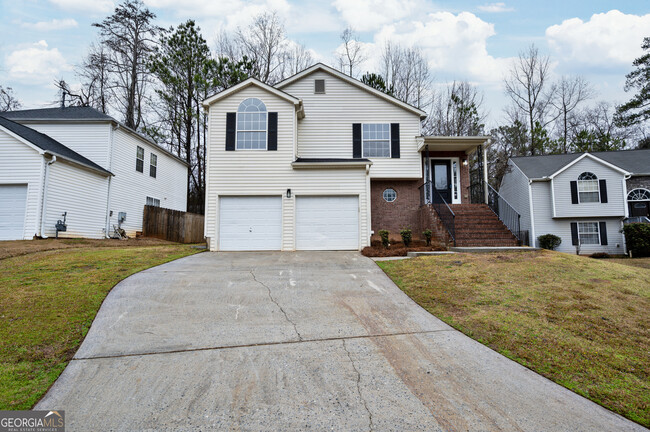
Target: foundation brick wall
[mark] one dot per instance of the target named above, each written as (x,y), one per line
(638,182)
(401,213)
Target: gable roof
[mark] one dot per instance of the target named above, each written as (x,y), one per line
(49,145)
(353,81)
(536,167)
(247,83)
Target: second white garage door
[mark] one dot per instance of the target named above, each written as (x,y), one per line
(327,223)
(250,223)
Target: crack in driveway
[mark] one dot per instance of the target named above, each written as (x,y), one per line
(365,404)
(278,305)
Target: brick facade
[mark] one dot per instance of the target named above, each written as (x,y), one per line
(399,214)
(638,182)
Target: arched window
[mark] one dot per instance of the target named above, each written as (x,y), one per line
(251,125)
(588,190)
(639,195)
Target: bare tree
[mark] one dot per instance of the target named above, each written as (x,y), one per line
(8,101)
(407,72)
(296,58)
(263,42)
(351,54)
(525,85)
(569,93)
(129,36)
(457,111)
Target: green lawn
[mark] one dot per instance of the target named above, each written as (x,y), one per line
(48,301)
(582,322)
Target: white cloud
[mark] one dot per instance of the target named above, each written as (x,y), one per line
(495,8)
(55,24)
(367,15)
(608,40)
(85,5)
(36,64)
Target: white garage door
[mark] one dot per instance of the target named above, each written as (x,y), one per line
(327,223)
(13,199)
(250,223)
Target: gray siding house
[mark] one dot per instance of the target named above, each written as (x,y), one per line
(583,198)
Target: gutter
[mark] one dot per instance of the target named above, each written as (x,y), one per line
(44,206)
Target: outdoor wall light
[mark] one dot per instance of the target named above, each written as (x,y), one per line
(288,193)
(464,162)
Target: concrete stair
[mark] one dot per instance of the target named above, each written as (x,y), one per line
(477,225)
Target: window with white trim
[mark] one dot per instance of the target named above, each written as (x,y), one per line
(390,195)
(153,202)
(588,233)
(588,190)
(251,125)
(638,195)
(153,165)
(139,159)
(376,140)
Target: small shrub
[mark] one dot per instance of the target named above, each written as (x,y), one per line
(427,236)
(384,238)
(599,255)
(549,241)
(637,238)
(407,236)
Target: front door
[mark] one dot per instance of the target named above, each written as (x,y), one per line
(639,208)
(441,178)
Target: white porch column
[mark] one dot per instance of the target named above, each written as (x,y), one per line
(485,170)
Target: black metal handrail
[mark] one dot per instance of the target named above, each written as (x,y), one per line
(504,211)
(429,195)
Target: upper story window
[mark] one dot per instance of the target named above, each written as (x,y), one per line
(588,190)
(319,86)
(139,159)
(639,195)
(251,125)
(153,165)
(376,140)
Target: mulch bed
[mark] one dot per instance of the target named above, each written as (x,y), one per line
(398,249)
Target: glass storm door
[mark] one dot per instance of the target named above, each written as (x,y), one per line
(441,178)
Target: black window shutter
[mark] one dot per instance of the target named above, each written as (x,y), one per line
(574,233)
(394,140)
(273,131)
(231,131)
(356,140)
(602,227)
(603,191)
(574,193)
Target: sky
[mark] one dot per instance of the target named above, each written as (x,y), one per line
(42,40)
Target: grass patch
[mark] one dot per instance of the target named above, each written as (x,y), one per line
(48,301)
(581,322)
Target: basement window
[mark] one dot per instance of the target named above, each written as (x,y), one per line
(139,159)
(319,86)
(588,233)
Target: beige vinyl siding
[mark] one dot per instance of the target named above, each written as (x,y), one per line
(79,192)
(21,164)
(269,173)
(130,188)
(90,140)
(615,205)
(326,129)
(545,224)
(514,189)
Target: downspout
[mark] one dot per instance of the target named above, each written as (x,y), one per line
(44,206)
(108,192)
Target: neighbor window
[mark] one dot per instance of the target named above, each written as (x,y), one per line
(376,140)
(588,188)
(319,86)
(139,159)
(153,165)
(251,125)
(153,202)
(588,233)
(390,195)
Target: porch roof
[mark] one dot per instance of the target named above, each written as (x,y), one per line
(468,144)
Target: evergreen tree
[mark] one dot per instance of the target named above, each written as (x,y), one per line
(637,109)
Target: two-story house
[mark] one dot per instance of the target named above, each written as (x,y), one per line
(322,161)
(81,162)
(583,198)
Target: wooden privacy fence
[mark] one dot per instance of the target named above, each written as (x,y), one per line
(172,225)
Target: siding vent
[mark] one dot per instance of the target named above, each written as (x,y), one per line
(319,86)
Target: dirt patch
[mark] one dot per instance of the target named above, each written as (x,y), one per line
(398,249)
(23,247)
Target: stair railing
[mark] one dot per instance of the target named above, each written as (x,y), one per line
(505,212)
(429,195)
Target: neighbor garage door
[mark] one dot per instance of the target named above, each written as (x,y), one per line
(250,223)
(13,199)
(327,223)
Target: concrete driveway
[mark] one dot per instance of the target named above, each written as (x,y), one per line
(296,341)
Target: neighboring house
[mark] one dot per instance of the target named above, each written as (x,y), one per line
(78,161)
(583,198)
(323,161)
